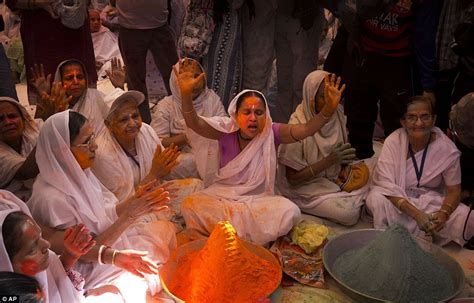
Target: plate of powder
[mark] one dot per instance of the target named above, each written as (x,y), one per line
(373,265)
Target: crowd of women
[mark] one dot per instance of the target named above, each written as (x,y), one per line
(104,196)
(91,193)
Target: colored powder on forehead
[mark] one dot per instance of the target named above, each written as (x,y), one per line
(394,267)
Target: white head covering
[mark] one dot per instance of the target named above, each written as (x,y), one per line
(253,171)
(60,170)
(54,282)
(10,160)
(207,104)
(91,103)
(321,144)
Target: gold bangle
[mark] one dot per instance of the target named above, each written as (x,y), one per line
(445,212)
(113,256)
(291,134)
(188,112)
(451,208)
(311,170)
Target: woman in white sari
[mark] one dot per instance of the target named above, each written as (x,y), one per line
(130,154)
(309,169)
(87,101)
(67,193)
(168,120)
(417,180)
(241,172)
(30,258)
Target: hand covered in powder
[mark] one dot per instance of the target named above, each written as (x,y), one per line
(343,153)
(56,102)
(332,94)
(438,220)
(77,241)
(187,81)
(136,262)
(164,161)
(147,199)
(424,222)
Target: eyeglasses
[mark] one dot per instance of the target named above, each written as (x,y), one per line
(452,130)
(414,118)
(88,143)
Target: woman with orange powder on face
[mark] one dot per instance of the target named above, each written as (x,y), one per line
(241,171)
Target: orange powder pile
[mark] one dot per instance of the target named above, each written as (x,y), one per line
(224,271)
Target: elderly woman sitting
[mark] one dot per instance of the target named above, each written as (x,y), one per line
(311,170)
(417,181)
(18,135)
(67,193)
(130,154)
(73,76)
(168,120)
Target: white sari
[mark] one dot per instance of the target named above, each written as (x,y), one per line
(11,160)
(320,196)
(91,103)
(115,169)
(105,48)
(56,285)
(243,190)
(168,121)
(65,195)
(395,176)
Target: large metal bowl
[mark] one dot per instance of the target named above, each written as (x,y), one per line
(358,238)
(168,270)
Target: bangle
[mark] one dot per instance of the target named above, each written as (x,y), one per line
(113,256)
(99,255)
(451,208)
(291,134)
(445,212)
(190,111)
(399,203)
(311,170)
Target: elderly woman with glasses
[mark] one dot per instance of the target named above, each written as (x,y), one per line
(417,181)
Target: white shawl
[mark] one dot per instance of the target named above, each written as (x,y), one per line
(252,173)
(91,104)
(64,195)
(10,160)
(168,117)
(105,48)
(299,155)
(56,285)
(112,165)
(390,174)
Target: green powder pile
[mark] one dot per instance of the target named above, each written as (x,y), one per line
(393,267)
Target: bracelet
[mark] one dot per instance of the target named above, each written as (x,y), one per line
(451,208)
(188,112)
(311,170)
(445,212)
(99,256)
(399,203)
(291,134)
(113,256)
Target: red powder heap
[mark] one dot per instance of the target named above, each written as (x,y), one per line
(225,270)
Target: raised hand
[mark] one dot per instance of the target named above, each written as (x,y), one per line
(40,82)
(332,94)
(135,262)
(164,161)
(186,79)
(78,241)
(56,102)
(116,73)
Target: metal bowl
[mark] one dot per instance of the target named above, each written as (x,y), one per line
(168,270)
(358,238)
